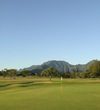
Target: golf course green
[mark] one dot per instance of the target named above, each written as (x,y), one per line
(42,94)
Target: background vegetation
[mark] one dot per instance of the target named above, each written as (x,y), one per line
(92,72)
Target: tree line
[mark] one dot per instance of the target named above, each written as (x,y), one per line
(92,72)
(13,73)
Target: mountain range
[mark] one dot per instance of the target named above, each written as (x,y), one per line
(61,66)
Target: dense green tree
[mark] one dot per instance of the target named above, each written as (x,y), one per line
(85,74)
(66,74)
(0,73)
(12,73)
(25,73)
(50,72)
(4,73)
(94,69)
(74,73)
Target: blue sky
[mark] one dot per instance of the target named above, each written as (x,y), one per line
(35,31)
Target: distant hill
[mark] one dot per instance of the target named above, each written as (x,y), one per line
(61,66)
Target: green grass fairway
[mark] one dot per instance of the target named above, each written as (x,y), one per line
(41,94)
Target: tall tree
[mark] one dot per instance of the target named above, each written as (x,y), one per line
(4,73)
(94,69)
(12,73)
(50,72)
(25,73)
(67,74)
(0,73)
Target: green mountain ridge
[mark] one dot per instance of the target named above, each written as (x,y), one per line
(61,66)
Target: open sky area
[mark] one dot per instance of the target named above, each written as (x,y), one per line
(35,31)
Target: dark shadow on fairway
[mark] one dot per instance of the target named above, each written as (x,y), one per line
(26,82)
(5,85)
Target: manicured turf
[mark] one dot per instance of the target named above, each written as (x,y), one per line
(41,94)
